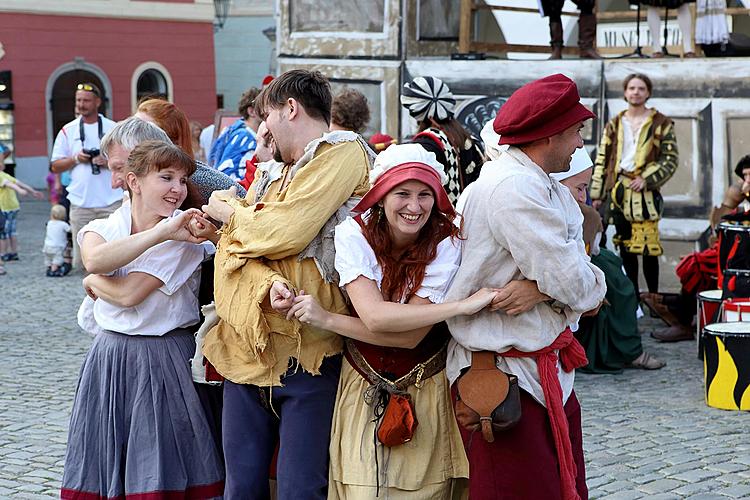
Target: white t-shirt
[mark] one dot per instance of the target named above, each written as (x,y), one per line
(355,257)
(57,234)
(86,190)
(175,263)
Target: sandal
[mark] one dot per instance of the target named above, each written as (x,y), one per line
(646,362)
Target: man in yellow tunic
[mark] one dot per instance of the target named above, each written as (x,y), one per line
(637,156)
(281,375)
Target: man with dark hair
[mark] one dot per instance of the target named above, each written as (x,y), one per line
(350,111)
(637,156)
(76,149)
(282,375)
(236,145)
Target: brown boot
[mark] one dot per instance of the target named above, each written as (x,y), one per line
(674,333)
(587,36)
(556,39)
(654,303)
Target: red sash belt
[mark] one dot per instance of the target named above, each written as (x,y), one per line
(572,356)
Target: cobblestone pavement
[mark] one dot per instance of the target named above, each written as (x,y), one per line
(646,434)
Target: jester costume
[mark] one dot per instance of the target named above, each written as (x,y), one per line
(636,215)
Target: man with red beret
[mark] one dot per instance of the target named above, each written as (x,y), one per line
(521,224)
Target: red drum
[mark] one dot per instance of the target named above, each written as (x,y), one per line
(709,303)
(734,247)
(735,310)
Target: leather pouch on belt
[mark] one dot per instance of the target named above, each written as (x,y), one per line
(399,421)
(488,398)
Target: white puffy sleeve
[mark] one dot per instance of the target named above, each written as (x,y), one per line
(354,256)
(111,228)
(440,272)
(172,262)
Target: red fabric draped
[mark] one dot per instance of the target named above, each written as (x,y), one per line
(698,271)
(571,356)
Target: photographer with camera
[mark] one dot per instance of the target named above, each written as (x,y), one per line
(76,150)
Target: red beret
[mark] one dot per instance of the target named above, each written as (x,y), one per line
(540,109)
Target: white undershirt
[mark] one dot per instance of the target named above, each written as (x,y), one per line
(627,161)
(355,257)
(173,305)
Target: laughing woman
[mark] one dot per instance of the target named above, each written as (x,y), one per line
(394,433)
(138,428)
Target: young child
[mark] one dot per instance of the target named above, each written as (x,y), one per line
(55,241)
(10,188)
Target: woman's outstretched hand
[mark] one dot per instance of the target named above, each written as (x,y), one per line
(478,301)
(178,227)
(201,227)
(307,310)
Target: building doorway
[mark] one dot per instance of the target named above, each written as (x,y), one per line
(62,100)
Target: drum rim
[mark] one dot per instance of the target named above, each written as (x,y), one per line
(731,273)
(727,334)
(710,298)
(733,225)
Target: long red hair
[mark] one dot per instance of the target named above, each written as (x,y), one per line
(403,274)
(171,120)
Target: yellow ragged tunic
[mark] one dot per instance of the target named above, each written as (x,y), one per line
(252,344)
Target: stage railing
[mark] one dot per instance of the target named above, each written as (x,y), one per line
(467,44)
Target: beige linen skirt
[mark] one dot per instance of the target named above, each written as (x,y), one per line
(432,465)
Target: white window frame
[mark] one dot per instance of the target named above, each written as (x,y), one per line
(137,74)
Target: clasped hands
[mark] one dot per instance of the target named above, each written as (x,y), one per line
(194,226)
(302,306)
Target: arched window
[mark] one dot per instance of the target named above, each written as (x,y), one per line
(151,83)
(151,79)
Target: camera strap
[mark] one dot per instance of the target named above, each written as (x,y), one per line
(82,133)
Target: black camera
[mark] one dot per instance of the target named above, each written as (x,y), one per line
(93,153)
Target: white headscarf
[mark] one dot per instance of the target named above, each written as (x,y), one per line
(579,162)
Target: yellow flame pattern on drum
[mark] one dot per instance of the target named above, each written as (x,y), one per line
(720,392)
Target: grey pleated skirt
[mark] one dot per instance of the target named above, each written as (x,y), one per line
(138,427)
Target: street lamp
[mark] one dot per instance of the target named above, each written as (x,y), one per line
(221,9)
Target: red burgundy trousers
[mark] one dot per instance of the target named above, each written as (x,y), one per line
(522,462)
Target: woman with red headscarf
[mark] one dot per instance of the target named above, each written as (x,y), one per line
(393,431)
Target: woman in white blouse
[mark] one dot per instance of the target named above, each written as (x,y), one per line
(394,432)
(138,427)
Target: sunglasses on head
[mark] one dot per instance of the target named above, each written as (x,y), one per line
(88,87)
